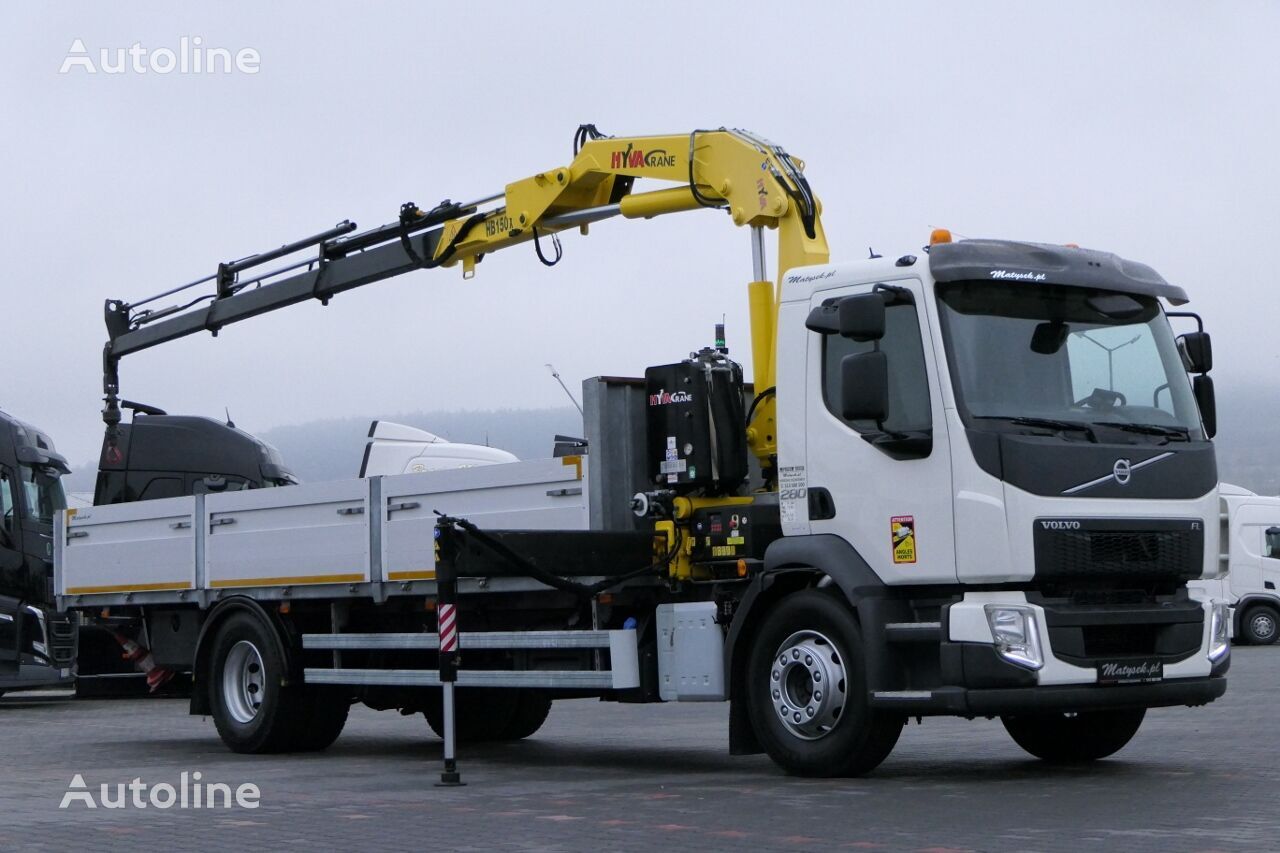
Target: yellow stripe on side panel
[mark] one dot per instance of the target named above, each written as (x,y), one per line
(412,575)
(128,587)
(293,580)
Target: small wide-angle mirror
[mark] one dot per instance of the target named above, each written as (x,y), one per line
(862,317)
(1198,349)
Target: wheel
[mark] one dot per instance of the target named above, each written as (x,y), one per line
(531,710)
(481,713)
(1075,738)
(253,711)
(323,718)
(1260,625)
(807,690)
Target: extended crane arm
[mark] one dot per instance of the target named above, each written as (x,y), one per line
(758,183)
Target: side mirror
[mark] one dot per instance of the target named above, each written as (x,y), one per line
(210,484)
(864,386)
(862,317)
(1199,351)
(1202,387)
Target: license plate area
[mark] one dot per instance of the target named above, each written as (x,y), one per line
(1130,671)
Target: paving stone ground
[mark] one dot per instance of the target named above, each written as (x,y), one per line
(617,777)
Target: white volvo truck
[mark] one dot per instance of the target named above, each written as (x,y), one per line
(973,482)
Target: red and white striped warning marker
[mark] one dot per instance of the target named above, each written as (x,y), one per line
(448,628)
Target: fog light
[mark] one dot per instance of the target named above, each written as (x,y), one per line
(1219,622)
(1015,634)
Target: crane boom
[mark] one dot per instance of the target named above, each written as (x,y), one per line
(755,181)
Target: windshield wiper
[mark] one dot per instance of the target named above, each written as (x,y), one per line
(1043,423)
(1180,433)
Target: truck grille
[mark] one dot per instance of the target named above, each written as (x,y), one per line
(1118,548)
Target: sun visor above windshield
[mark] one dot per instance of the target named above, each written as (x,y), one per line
(1042,263)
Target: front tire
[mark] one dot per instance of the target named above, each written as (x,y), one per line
(253,710)
(1260,625)
(1075,739)
(807,690)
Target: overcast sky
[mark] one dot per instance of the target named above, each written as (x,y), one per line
(1148,129)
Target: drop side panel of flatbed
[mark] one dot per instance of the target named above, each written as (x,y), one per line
(368,538)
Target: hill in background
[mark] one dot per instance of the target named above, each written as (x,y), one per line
(1248,417)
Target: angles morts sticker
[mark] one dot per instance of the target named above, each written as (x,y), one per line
(904,538)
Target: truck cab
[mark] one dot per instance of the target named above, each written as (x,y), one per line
(1001,442)
(159,455)
(1251,559)
(37,645)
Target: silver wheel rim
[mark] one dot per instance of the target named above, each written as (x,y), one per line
(243,682)
(1264,626)
(807,686)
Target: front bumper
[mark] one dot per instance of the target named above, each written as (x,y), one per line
(32,675)
(976,681)
(994,702)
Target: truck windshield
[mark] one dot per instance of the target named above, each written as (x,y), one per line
(1083,363)
(43,493)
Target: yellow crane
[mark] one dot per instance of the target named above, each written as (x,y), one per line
(755,181)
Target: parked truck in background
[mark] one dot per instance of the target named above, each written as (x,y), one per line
(974,482)
(37,643)
(1250,536)
(159,456)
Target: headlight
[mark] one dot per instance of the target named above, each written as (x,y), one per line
(1015,634)
(1219,623)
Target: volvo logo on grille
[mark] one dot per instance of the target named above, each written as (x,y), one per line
(1060,525)
(1121,472)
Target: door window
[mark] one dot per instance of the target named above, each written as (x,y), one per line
(7,500)
(162,487)
(909,410)
(43,493)
(1272,544)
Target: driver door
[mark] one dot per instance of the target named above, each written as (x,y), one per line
(891,500)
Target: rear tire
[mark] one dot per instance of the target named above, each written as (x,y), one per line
(532,708)
(807,690)
(324,717)
(481,713)
(253,711)
(1084,737)
(1260,625)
